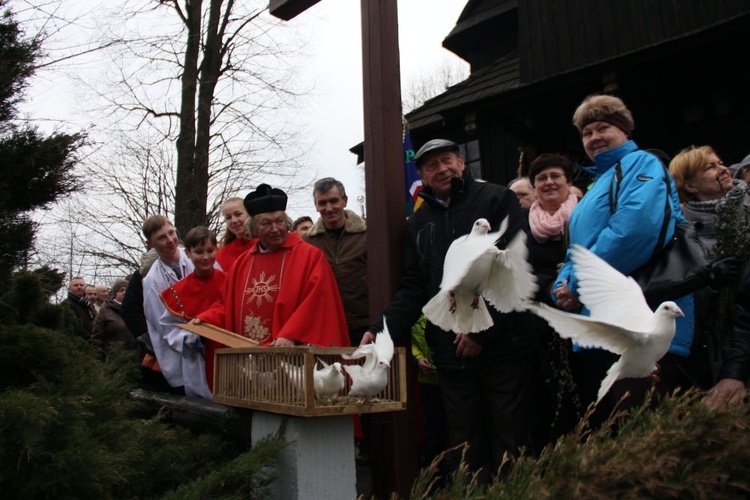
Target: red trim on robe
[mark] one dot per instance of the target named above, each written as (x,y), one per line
(308,308)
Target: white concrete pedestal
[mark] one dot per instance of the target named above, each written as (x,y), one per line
(318,462)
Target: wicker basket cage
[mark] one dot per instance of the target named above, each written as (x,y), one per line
(280,380)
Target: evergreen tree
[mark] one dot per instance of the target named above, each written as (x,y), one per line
(67,426)
(35,169)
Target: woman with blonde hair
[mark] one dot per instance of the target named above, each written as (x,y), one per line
(715,203)
(237,237)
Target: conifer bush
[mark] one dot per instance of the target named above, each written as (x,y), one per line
(680,448)
(69,430)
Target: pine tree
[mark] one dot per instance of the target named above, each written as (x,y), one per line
(67,426)
(35,169)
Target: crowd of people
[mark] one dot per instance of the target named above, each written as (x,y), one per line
(304,282)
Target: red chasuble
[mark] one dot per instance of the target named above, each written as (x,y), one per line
(197,293)
(289,293)
(231,251)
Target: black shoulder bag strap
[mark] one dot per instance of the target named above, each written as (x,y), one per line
(614,193)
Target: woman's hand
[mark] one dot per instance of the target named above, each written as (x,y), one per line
(564,298)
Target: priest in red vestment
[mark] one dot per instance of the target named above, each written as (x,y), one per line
(282,291)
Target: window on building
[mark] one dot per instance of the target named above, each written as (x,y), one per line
(470,152)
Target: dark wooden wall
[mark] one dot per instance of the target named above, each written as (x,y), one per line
(556,36)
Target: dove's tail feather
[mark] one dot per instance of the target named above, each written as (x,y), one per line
(465,318)
(611,378)
(437,310)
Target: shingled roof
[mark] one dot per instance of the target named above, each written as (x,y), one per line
(497,78)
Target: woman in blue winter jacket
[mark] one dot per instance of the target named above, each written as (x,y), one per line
(625,215)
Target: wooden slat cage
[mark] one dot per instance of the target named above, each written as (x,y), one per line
(280,380)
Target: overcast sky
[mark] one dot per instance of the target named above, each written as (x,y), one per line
(332,115)
(337,117)
(333,118)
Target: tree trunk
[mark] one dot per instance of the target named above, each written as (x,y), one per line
(190,204)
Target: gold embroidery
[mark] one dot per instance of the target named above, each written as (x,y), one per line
(261,289)
(255,329)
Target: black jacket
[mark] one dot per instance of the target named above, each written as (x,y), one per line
(132,306)
(430,231)
(85,314)
(736,354)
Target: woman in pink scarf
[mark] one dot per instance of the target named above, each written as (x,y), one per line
(552,178)
(551,175)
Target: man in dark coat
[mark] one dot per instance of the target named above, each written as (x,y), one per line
(80,305)
(485,378)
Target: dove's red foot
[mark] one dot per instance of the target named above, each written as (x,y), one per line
(475,302)
(654,377)
(453,303)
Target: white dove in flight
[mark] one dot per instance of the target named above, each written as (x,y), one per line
(620,321)
(371,377)
(329,380)
(474,268)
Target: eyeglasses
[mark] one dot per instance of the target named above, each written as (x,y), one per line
(555,176)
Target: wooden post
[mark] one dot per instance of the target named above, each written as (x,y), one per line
(393,454)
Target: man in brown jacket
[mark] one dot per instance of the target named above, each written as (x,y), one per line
(342,236)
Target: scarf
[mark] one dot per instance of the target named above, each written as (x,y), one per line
(709,206)
(546,226)
(84,302)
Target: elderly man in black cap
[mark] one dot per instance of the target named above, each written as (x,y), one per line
(485,378)
(281,291)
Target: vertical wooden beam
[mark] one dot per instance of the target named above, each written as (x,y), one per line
(393,454)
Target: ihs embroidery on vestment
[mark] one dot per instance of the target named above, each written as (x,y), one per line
(261,289)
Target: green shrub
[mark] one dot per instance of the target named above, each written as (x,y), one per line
(679,449)
(69,430)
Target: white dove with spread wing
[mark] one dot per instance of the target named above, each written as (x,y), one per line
(474,268)
(620,322)
(371,377)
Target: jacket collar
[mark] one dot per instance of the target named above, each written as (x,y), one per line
(606,159)
(354,224)
(459,185)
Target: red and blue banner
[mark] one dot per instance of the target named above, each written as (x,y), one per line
(411,176)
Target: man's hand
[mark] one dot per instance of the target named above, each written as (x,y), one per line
(425,366)
(282,342)
(466,347)
(726,390)
(195,321)
(367,338)
(564,298)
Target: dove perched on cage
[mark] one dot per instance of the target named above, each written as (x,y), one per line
(371,377)
(620,322)
(329,380)
(475,268)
